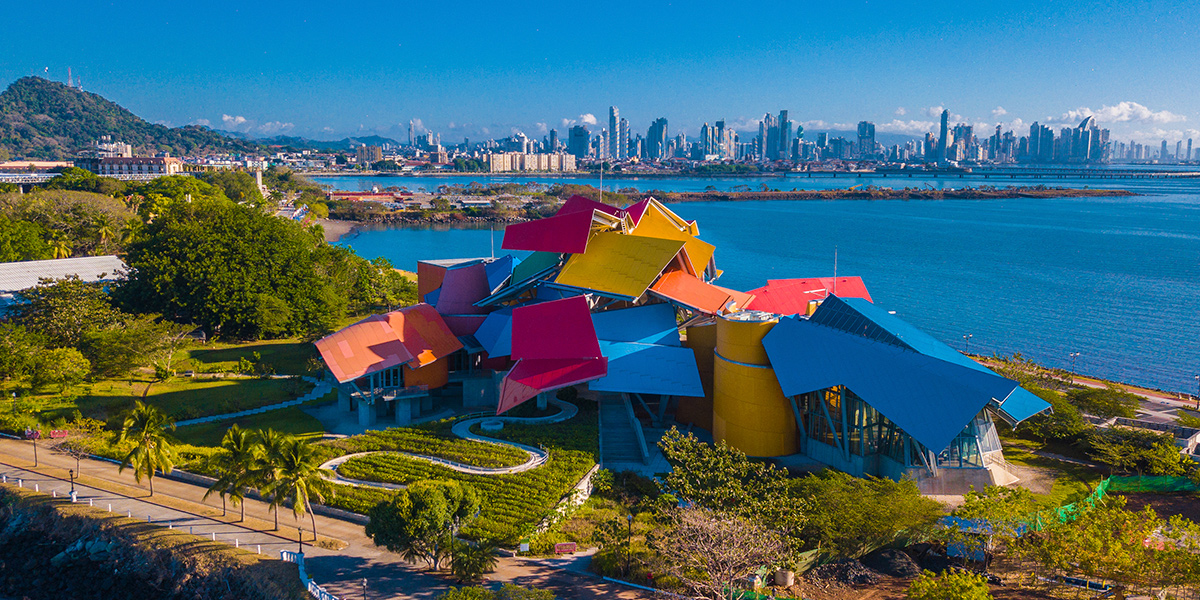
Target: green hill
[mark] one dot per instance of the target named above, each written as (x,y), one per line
(46,120)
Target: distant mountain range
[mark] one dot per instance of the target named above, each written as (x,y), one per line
(46,120)
(349,143)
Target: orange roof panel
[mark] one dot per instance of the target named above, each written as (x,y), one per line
(415,335)
(698,295)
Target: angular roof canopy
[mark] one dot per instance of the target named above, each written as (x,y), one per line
(461,288)
(561,233)
(528,378)
(619,265)
(646,324)
(791,296)
(649,369)
(927,396)
(561,329)
(415,336)
(697,295)
(495,334)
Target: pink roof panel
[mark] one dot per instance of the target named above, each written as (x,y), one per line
(415,335)
(528,378)
(561,329)
(561,233)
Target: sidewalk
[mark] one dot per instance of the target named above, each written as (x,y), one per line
(341,572)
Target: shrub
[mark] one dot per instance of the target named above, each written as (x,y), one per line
(951,585)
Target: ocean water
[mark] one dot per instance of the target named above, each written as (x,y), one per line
(1114,279)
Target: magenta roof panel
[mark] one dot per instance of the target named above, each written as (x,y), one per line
(461,288)
(636,210)
(579,203)
(561,233)
(561,329)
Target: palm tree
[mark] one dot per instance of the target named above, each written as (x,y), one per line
(236,462)
(300,479)
(61,246)
(104,228)
(472,561)
(272,445)
(146,426)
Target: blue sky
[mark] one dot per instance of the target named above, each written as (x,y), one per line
(484,69)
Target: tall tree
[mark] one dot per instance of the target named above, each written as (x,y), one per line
(420,522)
(64,309)
(236,462)
(709,552)
(146,427)
(23,240)
(300,479)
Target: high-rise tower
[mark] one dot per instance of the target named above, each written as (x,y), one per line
(614,128)
(944,138)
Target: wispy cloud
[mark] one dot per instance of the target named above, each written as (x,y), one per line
(244,125)
(999,112)
(910,127)
(901,111)
(584,119)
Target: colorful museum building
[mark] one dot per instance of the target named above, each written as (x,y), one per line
(625,302)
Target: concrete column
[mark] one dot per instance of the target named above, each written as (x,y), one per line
(366,413)
(414,405)
(426,403)
(543,400)
(403,411)
(344,399)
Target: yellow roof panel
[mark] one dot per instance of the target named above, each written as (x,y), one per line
(660,222)
(619,264)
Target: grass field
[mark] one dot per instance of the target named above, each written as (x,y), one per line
(1072,481)
(285,357)
(181,397)
(293,421)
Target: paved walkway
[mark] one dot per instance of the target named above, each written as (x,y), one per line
(340,571)
(462,429)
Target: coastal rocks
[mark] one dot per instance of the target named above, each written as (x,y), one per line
(846,570)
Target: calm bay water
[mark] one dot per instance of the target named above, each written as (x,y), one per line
(1115,279)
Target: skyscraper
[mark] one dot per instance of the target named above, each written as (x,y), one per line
(1188,156)
(866,139)
(785,136)
(1162,154)
(622,140)
(944,138)
(577,141)
(614,127)
(656,140)
(553,141)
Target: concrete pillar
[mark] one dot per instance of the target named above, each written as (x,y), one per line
(366,413)
(403,411)
(426,403)
(414,405)
(543,400)
(344,404)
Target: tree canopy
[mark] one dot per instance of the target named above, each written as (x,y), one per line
(420,522)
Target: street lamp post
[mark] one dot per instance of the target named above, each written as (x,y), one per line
(967,343)
(1198,392)
(364,583)
(299,540)
(71,473)
(1073,355)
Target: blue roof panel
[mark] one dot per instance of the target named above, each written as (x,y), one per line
(495,333)
(649,369)
(1022,404)
(499,270)
(930,398)
(647,324)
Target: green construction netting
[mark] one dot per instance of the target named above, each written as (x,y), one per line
(1158,484)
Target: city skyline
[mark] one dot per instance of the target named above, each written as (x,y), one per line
(322,72)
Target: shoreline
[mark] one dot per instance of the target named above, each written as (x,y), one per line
(336,229)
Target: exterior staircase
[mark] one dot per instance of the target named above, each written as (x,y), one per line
(621,437)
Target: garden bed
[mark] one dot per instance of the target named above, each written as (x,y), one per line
(433,440)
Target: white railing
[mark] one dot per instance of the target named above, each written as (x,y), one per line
(317,591)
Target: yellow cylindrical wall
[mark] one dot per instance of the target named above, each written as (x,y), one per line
(434,375)
(702,339)
(750,411)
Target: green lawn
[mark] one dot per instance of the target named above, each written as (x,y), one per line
(1073,481)
(434,439)
(292,420)
(285,357)
(181,397)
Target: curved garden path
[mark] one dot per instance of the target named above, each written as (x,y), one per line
(462,429)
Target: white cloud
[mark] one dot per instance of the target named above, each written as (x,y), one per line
(1123,112)
(936,113)
(999,112)
(584,119)
(901,111)
(1156,135)
(234,122)
(202,122)
(910,127)
(541,128)
(418,126)
(274,127)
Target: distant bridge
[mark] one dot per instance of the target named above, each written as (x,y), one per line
(28,180)
(1013,173)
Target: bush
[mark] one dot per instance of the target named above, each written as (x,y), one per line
(951,585)
(1107,402)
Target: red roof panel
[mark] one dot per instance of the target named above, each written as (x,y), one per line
(561,233)
(561,329)
(791,296)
